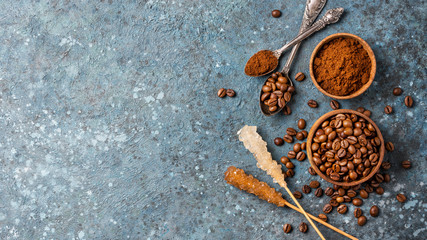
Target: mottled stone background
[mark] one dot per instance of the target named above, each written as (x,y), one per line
(111,128)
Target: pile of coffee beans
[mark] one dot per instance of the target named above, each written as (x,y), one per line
(346,148)
(276,92)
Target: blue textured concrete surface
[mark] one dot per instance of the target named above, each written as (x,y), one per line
(111,127)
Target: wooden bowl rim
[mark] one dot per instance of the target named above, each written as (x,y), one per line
(365,46)
(313,129)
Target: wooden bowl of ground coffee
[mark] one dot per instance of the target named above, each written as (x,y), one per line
(342,66)
(345,147)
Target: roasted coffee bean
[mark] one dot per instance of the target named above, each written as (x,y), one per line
(312,104)
(406,164)
(389,146)
(340,199)
(409,101)
(367,113)
(231,93)
(361,221)
(297,194)
(351,193)
(272,108)
(287,228)
(379,190)
(333,202)
(301,123)
(306,189)
(397,91)
(327,208)
(357,202)
(369,189)
(288,138)
(374,184)
(314,184)
(364,194)
(387,178)
(284,160)
(291,154)
(318,192)
(278,141)
(385,165)
(287,110)
(291,131)
(300,136)
(334,105)
(335,176)
(297,147)
(287,96)
(341,192)
(300,76)
(303,227)
(335,195)
(379,177)
(281,102)
(323,217)
(360,109)
(336,187)
(291,89)
(356,187)
(289,165)
(329,191)
(342,209)
(304,133)
(388,109)
(311,171)
(303,146)
(276,13)
(357,212)
(301,156)
(290,173)
(401,198)
(374,211)
(265,96)
(222,92)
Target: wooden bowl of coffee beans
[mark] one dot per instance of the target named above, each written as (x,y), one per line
(345,147)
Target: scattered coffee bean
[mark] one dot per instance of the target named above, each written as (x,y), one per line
(364,194)
(336,187)
(401,198)
(221,92)
(291,131)
(297,147)
(297,194)
(303,146)
(388,109)
(323,217)
(409,101)
(301,124)
(287,110)
(389,146)
(290,165)
(406,164)
(361,221)
(374,211)
(379,190)
(312,104)
(340,199)
(304,133)
(278,141)
(360,109)
(318,192)
(367,113)
(314,184)
(351,193)
(334,105)
(333,202)
(397,91)
(327,208)
(291,154)
(301,156)
(379,177)
(357,212)
(288,138)
(342,209)
(300,136)
(387,178)
(311,171)
(284,160)
(374,184)
(357,202)
(368,189)
(329,191)
(291,89)
(386,165)
(231,93)
(276,13)
(306,189)
(356,187)
(303,227)
(300,76)
(290,173)
(341,192)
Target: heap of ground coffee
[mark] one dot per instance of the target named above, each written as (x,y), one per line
(261,63)
(342,66)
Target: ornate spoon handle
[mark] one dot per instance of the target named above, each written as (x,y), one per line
(331,16)
(312,10)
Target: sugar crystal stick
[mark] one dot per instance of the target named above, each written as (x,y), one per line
(238,178)
(258,147)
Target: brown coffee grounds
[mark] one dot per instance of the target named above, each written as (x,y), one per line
(342,66)
(262,62)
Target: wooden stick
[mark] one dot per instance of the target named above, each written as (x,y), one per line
(321,221)
(301,210)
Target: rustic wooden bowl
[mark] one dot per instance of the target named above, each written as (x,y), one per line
(317,124)
(365,46)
